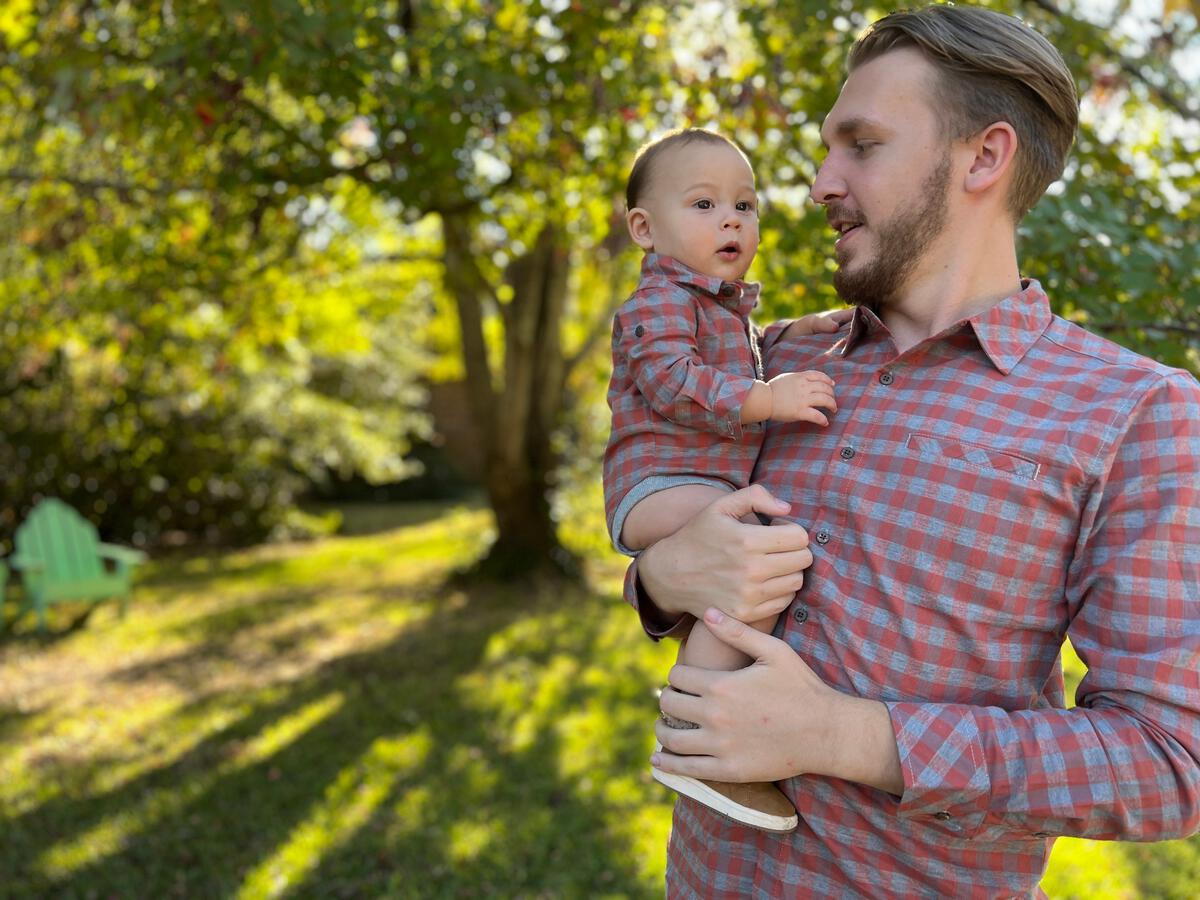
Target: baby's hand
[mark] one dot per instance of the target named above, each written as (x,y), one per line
(819,323)
(799,397)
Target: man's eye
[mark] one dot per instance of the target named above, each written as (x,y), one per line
(861,147)
(703,204)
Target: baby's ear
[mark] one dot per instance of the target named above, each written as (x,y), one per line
(638,221)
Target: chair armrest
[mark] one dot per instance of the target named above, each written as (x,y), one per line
(26,563)
(120,554)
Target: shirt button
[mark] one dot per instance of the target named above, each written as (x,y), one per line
(800,614)
(1041,834)
(942,816)
(847,453)
(822,537)
(886,378)
(639,331)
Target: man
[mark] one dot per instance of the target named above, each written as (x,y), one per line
(994,479)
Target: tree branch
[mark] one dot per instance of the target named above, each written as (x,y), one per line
(1164,96)
(92,185)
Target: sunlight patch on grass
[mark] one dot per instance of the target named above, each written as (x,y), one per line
(346,806)
(468,840)
(102,840)
(115,831)
(280,734)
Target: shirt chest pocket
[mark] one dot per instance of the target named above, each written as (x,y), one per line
(994,528)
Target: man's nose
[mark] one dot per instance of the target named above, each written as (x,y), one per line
(828,186)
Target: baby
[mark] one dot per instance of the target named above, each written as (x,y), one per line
(687,392)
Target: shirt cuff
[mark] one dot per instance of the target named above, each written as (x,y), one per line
(728,410)
(946,778)
(655,622)
(643,489)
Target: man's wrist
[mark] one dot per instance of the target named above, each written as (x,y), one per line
(656,620)
(649,590)
(862,745)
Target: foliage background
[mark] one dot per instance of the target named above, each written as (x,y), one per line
(240,242)
(238,239)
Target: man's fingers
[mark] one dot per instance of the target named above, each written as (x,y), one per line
(681,702)
(705,767)
(781,539)
(778,596)
(755,498)
(781,565)
(740,636)
(685,680)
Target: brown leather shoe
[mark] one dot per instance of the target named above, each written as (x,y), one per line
(759,804)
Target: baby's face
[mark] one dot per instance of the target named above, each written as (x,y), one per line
(701,209)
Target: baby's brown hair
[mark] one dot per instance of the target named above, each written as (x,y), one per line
(639,175)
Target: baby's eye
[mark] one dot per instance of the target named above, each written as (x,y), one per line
(744,206)
(703,204)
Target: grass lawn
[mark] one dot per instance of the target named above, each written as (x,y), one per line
(331,720)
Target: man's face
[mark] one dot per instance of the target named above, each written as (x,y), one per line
(885,181)
(700,208)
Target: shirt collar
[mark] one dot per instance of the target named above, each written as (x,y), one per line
(739,296)
(1005,330)
(1008,329)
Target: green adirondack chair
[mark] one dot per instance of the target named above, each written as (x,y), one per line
(60,557)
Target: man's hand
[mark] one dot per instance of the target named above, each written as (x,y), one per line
(772,720)
(819,323)
(750,572)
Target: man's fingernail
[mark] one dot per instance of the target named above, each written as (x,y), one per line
(655,759)
(715,616)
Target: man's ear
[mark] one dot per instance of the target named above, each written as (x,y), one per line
(638,221)
(995,148)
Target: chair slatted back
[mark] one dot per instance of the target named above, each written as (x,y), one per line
(63,539)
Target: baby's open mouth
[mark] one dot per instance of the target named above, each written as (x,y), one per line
(729,251)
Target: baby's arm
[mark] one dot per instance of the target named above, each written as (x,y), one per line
(665,512)
(790,397)
(797,396)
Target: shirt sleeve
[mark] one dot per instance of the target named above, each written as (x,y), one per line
(1124,764)
(773,332)
(658,336)
(655,622)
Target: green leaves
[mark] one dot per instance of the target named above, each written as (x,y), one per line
(222,220)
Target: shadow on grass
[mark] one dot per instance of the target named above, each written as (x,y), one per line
(405,784)
(42,637)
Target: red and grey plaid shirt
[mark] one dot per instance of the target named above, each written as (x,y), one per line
(684,358)
(1004,484)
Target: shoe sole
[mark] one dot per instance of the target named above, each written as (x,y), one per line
(702,793)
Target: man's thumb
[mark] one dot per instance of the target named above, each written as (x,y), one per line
(737,634)
(756,499)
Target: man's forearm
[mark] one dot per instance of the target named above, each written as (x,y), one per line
(863,746)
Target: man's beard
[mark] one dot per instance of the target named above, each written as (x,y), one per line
(901,243)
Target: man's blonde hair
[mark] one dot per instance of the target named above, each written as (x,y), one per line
(991,68)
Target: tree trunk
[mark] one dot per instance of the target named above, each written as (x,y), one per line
(515,419)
